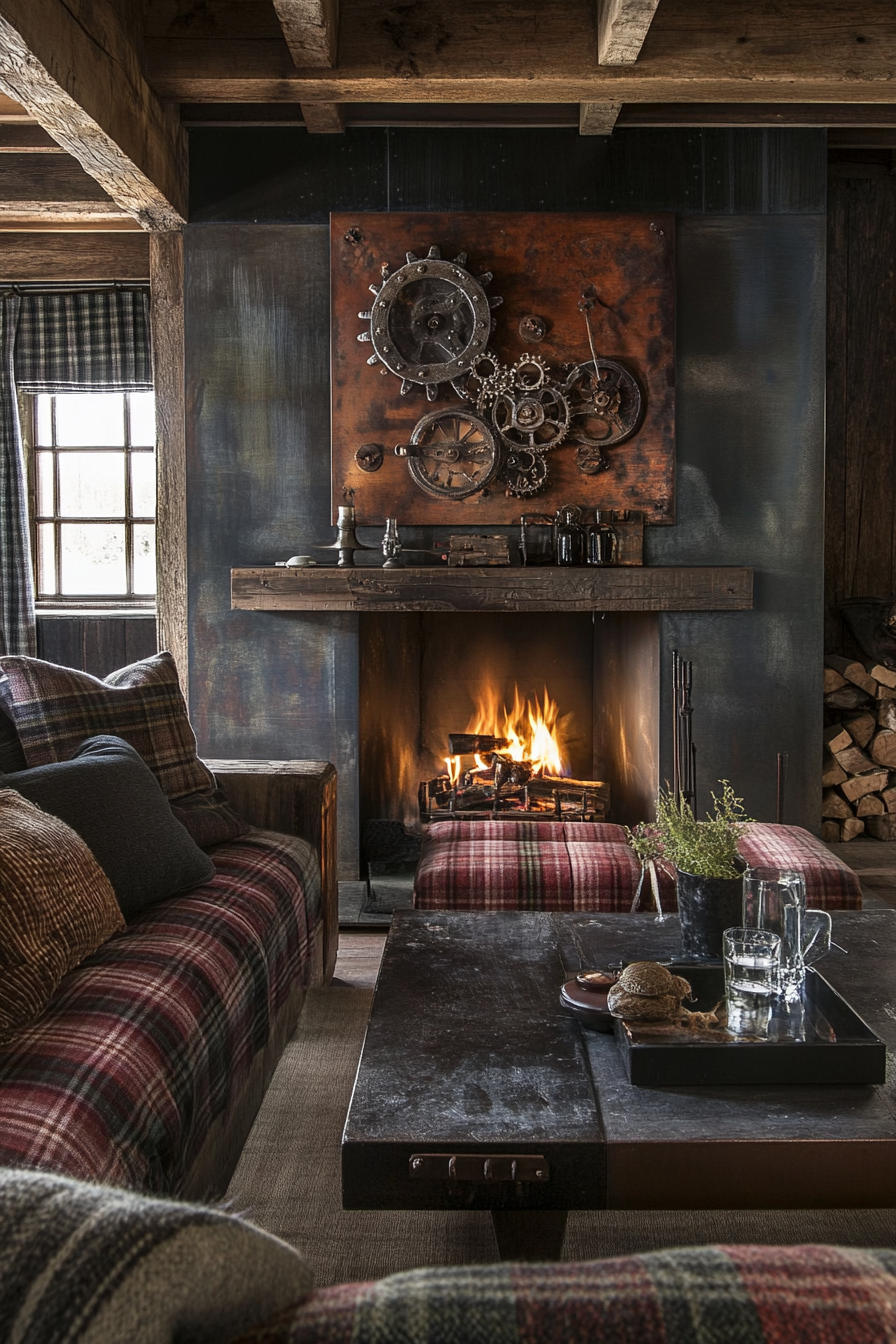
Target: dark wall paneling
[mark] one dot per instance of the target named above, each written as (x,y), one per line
(283,174)
(258,426)
(750,386)
(96,644)
(860,491)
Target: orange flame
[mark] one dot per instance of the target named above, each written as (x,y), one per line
(453,764)
(532,730)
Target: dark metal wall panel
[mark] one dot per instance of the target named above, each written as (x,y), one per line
(267,174)
(750,383)
(283,175)
(257,343)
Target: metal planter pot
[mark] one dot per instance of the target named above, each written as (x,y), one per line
(707,906)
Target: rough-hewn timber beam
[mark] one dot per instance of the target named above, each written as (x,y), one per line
(324,118)
(73,68)
(311,29)
(533,52)
(598,118)
(621,29)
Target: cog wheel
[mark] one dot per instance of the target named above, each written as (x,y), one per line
(530,372)
(452,454)
(606,403)
(493,385)
(524,473)
(430,321)
(537,420)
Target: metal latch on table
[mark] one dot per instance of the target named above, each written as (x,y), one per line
(476,1167)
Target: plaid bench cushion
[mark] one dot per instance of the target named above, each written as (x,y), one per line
(151,1038)
(701,1295)
(553,865)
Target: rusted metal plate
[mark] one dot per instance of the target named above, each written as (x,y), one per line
(639,588)
(541,265)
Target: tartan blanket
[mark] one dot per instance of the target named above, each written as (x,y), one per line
(150,1039)
(554,865)
(704,1295)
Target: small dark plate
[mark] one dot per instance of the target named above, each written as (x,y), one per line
(838,1047)
(588,1005)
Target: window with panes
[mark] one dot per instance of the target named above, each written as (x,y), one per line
(94,497)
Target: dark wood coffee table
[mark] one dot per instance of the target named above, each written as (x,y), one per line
(475,1089)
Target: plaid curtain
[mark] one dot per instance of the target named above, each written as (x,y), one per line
(76,341)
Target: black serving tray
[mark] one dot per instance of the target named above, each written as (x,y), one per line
(839,1048)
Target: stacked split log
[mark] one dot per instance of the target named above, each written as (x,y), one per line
(859,770)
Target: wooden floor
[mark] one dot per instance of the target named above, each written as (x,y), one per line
(359,956)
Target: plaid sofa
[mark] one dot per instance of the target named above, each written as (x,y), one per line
(555,865)
(704,1295)
(148,1066)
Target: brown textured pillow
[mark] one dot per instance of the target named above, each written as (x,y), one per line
(55,709)
(56,907)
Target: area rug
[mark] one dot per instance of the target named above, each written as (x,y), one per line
(288,1180)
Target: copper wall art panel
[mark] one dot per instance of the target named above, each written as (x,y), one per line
(518,362)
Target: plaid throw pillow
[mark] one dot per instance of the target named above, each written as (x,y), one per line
(56,907)
(55,709)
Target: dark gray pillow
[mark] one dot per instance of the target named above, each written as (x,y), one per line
(113,800)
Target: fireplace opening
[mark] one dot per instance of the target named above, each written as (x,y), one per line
(512,762)
(427,679)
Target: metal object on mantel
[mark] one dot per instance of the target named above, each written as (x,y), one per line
(392,545)
(346,542)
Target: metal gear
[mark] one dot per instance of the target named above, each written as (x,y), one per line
(524,473)
(605,401)
(452,454)
(430,322)
(537,420)
(530,372)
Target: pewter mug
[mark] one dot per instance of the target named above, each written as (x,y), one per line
(775,899)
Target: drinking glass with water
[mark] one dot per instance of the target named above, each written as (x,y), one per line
(752,971)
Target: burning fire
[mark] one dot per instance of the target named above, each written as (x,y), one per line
(533,730)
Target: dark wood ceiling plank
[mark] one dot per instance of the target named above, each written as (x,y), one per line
(74,67)
(52,257)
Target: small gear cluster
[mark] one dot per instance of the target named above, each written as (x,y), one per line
(430,324)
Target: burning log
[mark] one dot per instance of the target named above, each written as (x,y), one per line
(473,744)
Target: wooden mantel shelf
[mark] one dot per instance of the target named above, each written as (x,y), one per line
(432,588)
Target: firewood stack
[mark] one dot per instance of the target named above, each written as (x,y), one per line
(859,770)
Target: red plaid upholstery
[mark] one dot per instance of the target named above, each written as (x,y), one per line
(55,709)
(150,1039)
(553,865)
(700,1295)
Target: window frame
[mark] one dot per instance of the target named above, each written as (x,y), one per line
(60,602)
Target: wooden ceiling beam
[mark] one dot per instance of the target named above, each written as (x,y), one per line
(533,51)
(73,67)
(621,29)
(311,29)
(598,118)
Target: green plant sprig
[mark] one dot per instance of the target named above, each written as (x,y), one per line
(706,848)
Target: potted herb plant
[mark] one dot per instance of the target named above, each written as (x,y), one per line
(707,866)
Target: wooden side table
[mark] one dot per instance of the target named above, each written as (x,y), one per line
(296,798)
